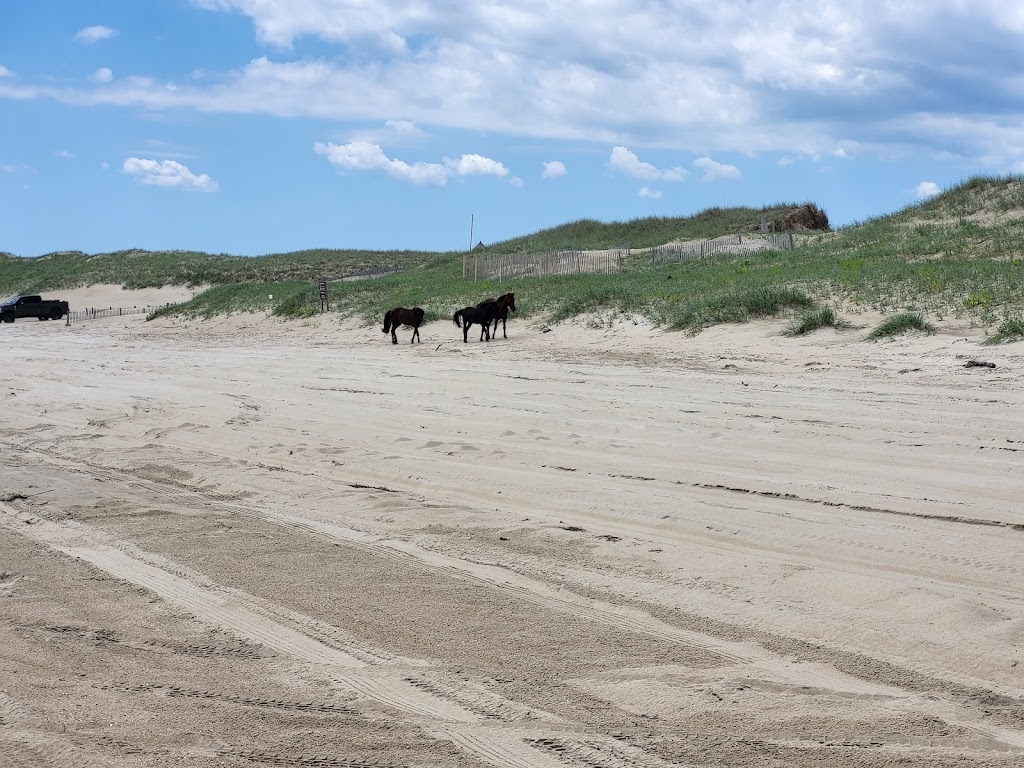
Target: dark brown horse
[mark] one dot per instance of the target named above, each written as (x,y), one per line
(484,315)
(505,302)
(402,316)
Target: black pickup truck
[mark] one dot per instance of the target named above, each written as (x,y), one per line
(17,306)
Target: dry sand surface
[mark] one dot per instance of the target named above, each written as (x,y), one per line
(114,296)
(246,542)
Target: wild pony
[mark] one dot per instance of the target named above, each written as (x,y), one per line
(505,302)
(483,315)
(402,316)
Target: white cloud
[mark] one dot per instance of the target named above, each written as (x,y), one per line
(476,165)
(794,81)
(4,71)
(90,35)
(553,169)
(651,194)
(926,189)
(367,156)
(714,171)
(63,154)
(105,165)
(785,161)
(103,75)
(167,173)
(516,182)
(627,162)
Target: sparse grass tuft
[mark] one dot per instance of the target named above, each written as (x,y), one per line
(813,320)
(902,323)
(1011,329)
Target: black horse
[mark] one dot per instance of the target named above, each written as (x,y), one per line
(402,316)
(483,315)
(505,303)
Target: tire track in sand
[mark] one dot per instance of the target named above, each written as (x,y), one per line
(500,744)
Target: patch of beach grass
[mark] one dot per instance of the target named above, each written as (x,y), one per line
(1011,329)
(815,319)
(905,322)
(739,307)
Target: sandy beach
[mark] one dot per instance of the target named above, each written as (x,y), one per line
(247,541)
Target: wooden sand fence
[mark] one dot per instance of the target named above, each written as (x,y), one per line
(727,244)
(504,266)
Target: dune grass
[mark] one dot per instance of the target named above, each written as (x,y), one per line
(815,319)
(1011,329)
(905,322)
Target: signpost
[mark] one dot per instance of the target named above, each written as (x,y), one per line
(324,301)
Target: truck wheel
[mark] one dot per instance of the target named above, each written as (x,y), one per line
(8,317)
(56,314)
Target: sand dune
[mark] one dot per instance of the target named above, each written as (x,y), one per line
(248,541)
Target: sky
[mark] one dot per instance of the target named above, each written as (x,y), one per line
(263,126)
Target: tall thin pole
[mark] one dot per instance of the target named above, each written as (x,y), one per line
(470,246)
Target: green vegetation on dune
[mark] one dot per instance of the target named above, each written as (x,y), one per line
(1011,329)
(146,269)
(905,322)
(959,254)
(589,234)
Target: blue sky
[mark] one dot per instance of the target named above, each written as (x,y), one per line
(260,126)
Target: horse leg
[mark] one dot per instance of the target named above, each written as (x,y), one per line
(394,339)
(465,332)
(415,333)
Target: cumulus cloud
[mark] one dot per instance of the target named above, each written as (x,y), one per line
(167,173)
(103,75)
(367,156)
(63,154)
(926,189)
(651,194)
(476,165)
(625,161)
(849,69)
(90,35)
(714,171)
(553,169)
(4,71)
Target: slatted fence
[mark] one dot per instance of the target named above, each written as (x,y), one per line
(727,244)
(504,266)
(94,313)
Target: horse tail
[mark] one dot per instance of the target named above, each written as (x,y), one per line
(387,321)
(455,318)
